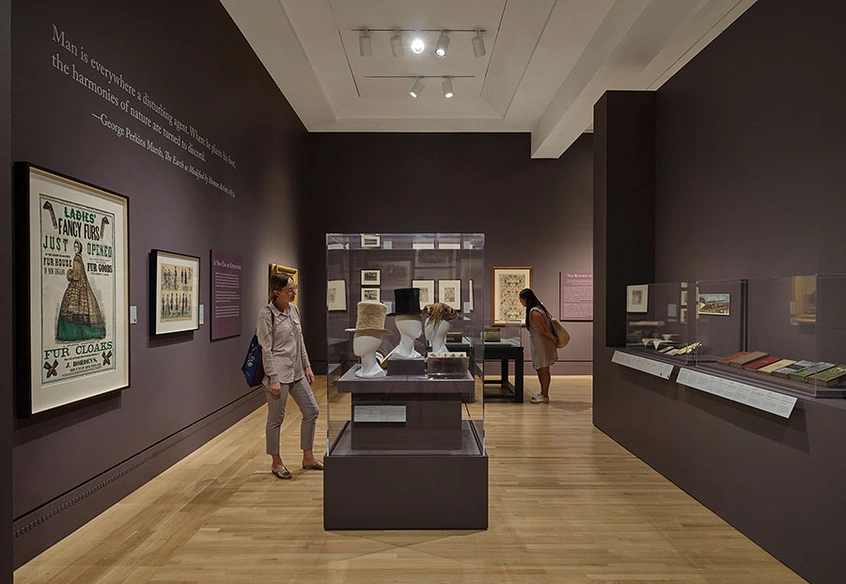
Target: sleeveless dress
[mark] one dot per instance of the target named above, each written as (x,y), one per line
(544,351)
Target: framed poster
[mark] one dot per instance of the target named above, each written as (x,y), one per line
(336,295)
(507,283)
(805,299)
(72,338)
(449,292)
(371,294)
(370,278)
(427,291)
(174,292)
(718,304)
(637,298)
(292,272)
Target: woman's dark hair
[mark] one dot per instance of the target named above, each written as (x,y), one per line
(531,302)
(278,281)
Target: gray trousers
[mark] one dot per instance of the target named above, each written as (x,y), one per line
(300,390)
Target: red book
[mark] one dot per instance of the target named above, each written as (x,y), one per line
(725,360)
(762,362)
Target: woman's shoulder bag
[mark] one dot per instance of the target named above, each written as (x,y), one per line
(561,334)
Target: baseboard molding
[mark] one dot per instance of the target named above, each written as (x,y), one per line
(43,527)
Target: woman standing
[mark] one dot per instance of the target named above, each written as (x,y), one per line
(286,371)
(544,349)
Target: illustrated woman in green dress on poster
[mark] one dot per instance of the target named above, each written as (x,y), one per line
(79,315)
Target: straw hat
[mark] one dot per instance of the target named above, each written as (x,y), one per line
(370,318)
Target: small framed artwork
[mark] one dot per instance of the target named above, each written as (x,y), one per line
(72,290)
(293,273)
(507,283)
(371,294)
(683,297)
(805,299)
(717,304)
(336,295)
(683,315)
(174,292)
(449,292)
(470,297)
(371,240)
(370,278)
(427,291)
(637,298)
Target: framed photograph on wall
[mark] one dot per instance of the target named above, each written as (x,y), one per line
(637,298)
(336,295)
(174,292)
(449,292)
(72,336)
(716,304)
(427,291)
(371,294)
(370,278)
(507,283)
(293,273)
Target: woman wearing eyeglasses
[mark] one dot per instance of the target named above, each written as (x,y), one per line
(287,371)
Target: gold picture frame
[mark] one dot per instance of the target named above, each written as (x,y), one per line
(507,283)
(805,299)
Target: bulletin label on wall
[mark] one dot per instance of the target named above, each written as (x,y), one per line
(77,300)
(226,294)
(576,296)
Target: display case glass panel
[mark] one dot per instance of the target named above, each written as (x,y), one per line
(423,402)
(658,320)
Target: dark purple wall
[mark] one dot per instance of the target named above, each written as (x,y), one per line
(532,212)
(189,57)
(6,309)
(749,182)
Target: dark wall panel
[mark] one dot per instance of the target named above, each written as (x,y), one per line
(188,62)
(749,180)
(532,212)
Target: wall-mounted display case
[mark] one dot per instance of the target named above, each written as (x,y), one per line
(783,333)
(405,426)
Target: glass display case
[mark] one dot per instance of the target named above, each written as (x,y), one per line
(782,333)
(658,322)
(405,405)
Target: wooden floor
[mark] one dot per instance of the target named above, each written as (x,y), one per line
(567,504)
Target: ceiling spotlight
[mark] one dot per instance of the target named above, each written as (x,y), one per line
(396,44)
(417,45)
(478,44)
(447,85)
(442,46)
(364,43)
(417,88)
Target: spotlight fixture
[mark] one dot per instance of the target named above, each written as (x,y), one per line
(417,88)
(417,45)
(447,85)
(364,43)
(478,44)
(396,44)
(442,46)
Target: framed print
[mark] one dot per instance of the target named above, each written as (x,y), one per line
(174,292)
(683,297)
(336,295)
(370,278)
(396,274)
(292,272)
(470,297)
(719,304)
(449,292)
(637,298)
(371,240)
(371,294)
(427,291)
(507,283)
(72,338)
(805,299)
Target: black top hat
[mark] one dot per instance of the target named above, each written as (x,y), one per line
(407,301)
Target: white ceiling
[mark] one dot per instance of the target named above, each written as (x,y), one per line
(547,61)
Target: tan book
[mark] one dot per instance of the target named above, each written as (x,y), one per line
(775,366)
(744,359)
